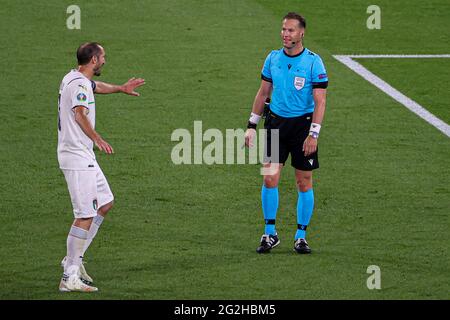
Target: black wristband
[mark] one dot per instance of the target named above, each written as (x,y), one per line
(251,125)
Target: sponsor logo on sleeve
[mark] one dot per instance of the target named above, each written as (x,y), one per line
(81,97)
(322,76)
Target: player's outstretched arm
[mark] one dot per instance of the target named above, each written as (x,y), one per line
(128,87)
(85,125)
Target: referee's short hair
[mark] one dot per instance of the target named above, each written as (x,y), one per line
(86,51)
(296,16)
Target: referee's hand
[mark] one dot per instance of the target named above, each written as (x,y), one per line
(250,135)
(309,146)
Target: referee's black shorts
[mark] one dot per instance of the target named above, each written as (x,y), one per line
(291,135)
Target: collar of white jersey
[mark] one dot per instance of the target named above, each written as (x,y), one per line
(80,73)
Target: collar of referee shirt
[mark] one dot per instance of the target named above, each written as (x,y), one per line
(295,55)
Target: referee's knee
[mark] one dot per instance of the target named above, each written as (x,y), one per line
(271,181)
(304,184)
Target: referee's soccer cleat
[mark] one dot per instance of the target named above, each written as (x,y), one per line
(301,246)
(73,283)
(82,272)
(268,242)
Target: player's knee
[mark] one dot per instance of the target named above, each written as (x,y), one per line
(110,205)
(83,223)
(82,220)
(105,208)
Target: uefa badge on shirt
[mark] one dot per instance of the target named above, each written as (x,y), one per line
(81,97)
(299,83)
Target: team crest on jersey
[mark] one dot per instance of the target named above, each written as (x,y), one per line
(299,83)
(81,97)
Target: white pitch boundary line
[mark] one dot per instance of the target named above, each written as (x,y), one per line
(391,91)
(414,56)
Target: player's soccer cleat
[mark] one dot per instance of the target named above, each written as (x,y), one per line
(268,242)
(74,283)
(301,246)
(82,272)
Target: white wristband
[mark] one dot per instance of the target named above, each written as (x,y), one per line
(315,127)
(254,118)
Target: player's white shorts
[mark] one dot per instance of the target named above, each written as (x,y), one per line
(88,190)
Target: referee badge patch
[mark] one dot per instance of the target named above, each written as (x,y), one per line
(299,83)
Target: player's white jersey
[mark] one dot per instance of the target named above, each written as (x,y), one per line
(75,148)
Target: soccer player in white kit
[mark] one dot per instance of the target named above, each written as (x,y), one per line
(89,191)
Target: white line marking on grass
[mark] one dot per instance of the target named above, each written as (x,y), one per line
(391,91)
(414,56)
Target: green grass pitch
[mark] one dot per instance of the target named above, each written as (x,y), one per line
(190,232)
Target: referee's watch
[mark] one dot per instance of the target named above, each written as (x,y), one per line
(314,135)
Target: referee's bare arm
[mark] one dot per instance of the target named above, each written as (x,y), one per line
(82,120)
(320,99)
(258,107)
(319,94)
(263,93)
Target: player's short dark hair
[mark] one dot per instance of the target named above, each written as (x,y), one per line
(296,16)
(86,51)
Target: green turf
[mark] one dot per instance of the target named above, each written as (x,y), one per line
(190,232)
(423,80)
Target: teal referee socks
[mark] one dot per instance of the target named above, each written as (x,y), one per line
(269,199)
(305,206)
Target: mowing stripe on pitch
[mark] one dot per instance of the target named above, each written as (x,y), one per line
(391,91)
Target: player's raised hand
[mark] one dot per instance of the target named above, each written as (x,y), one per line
(102,145)
(131,85)
(250,135)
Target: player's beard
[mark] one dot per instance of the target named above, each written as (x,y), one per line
(98,70)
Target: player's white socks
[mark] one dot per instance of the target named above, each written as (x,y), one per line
(95,225)
(76,240)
